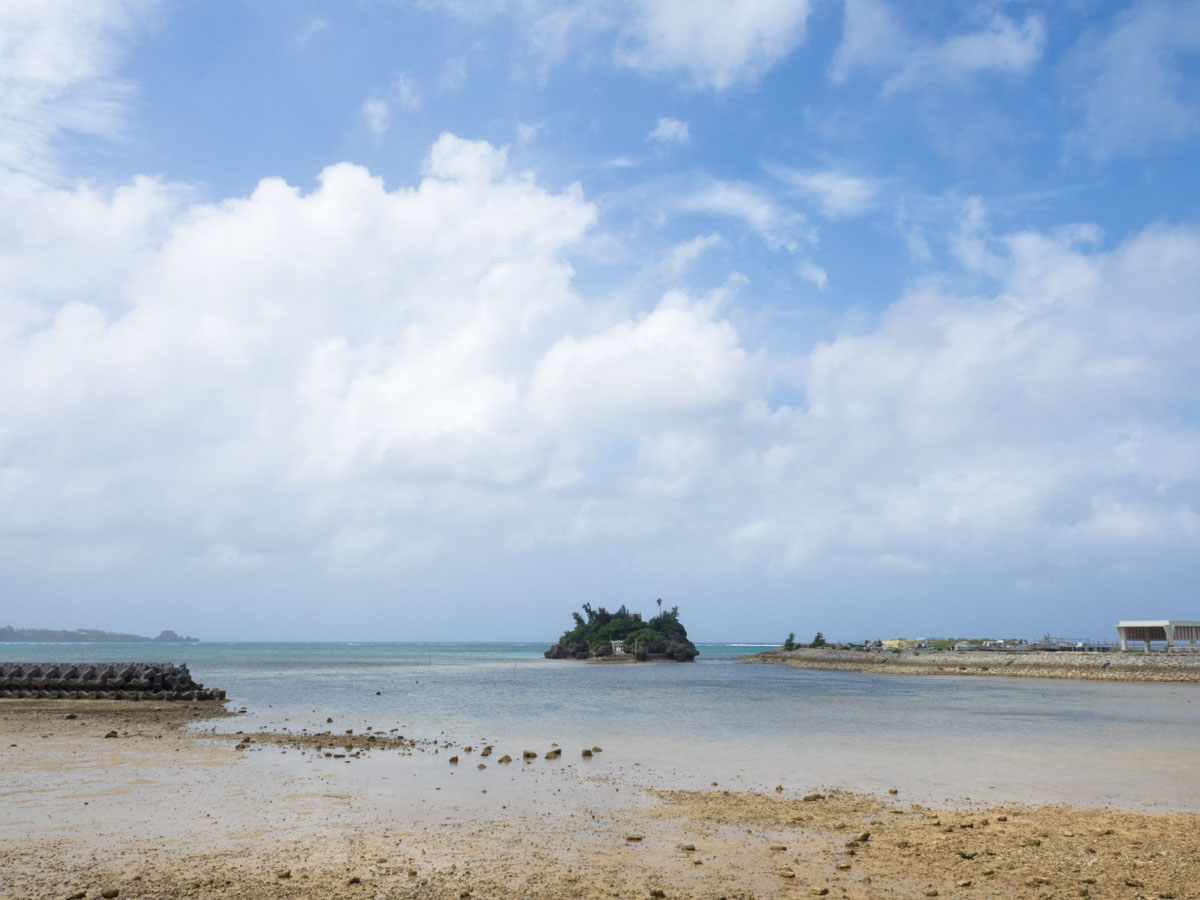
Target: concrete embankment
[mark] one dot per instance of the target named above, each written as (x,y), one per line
(1181,667)
(101,681)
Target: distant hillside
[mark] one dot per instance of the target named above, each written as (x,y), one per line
(10,635)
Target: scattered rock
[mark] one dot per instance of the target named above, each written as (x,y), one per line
(354,879)
(966,855)
(553,754)
(284,873)
(505,759)
(587,754)
(70,716)
(658,892)
(528,754)
(454,760)
(595,749)
(687,848)
(962,884)
(863,837)
(820,892)
(777,848)
(111,734)
(811,797)
(633,838)
(481,766)
(786,873)
(893,790)
(843,867)
(110,893)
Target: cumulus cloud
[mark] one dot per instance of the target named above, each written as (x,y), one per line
(670,131)
(873,40)
(1131,82)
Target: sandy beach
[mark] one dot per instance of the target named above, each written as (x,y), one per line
(1180,668)
(162,809)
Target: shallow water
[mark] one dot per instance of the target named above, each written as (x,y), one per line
(937,738)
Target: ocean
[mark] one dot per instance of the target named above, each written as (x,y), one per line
(938,738)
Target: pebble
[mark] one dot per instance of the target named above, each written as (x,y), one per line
(284,873)
(110,893)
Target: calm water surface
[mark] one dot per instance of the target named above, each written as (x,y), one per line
(752,727)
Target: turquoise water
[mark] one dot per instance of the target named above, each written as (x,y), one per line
(938,738)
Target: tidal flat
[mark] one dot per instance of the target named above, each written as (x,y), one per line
(158,800)
(378,771)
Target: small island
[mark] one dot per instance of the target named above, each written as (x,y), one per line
(623,635)
(10,635)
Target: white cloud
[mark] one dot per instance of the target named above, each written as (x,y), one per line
(872,39)
(58,74)
(779,228)
(453,76)
(409,381)
(716,44)
(670,131)
(378,116)
(1131,82)
(839,194)
(314,26)
(377,111)
(680,257)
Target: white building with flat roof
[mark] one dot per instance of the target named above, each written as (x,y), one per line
(1171,631)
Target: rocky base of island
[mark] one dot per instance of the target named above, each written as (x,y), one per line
(1117,666)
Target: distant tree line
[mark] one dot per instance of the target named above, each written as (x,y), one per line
(817,641)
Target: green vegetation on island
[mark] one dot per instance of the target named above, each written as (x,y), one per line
(10,635)
(662,637)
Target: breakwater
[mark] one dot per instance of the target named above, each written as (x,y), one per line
(101,681)
(1174,667)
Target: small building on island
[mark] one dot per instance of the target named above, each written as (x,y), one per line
(1168,631)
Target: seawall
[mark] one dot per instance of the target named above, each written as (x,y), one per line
(1116,666)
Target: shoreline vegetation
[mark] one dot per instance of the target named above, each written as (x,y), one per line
(1118,666)
(10,635)
(622,636)
(131,802)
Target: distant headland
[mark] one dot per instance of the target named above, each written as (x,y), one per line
(10,635)
(622,636)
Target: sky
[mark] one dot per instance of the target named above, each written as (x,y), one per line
(433,320)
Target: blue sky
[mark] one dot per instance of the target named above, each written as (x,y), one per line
(436,319)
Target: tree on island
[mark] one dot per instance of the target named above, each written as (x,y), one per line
(663,636)
(819,641)
(790,643)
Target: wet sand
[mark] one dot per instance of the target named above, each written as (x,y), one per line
(166,810)
(1178,668)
